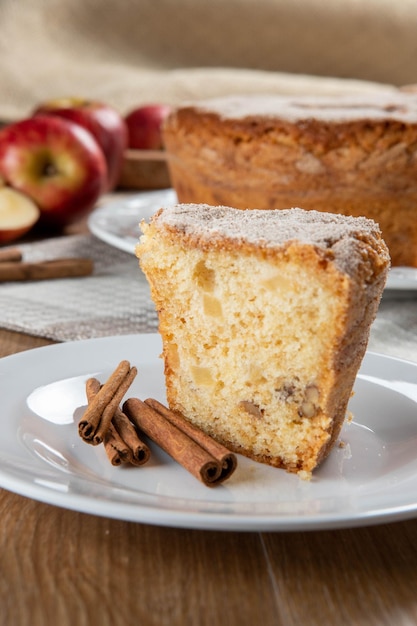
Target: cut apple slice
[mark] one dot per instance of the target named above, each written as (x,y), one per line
(18,214)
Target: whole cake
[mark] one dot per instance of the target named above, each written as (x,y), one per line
(352,155)
(264,318)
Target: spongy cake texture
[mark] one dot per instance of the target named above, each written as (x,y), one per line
(265,318)
(354,155)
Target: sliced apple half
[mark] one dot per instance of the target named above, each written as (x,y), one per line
(18,214)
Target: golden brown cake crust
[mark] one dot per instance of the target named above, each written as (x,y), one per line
(355,156)
(264,320)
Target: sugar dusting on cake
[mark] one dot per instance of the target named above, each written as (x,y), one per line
(382,106)
(274,228)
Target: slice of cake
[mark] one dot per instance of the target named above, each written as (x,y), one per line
(355,155)
(264,317)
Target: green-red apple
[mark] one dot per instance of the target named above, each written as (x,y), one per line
(144,126)
(55,162)
(105,124)
(18,214)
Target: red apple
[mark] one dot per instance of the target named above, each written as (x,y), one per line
(105,124)
(18,214)
(55,162)
(144,126)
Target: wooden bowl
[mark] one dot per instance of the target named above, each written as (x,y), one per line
(144,169)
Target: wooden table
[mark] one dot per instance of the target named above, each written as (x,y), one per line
(68,568)
(73,569)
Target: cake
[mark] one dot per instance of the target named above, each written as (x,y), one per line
(351,155)
(264,319)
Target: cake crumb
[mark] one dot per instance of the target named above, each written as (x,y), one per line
(304,475)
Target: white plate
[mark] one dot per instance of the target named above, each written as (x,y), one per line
(372,479)
(117,223)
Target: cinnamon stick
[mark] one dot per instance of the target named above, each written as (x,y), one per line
(13,255)
(45,270)
(92,388)
(140,452)
(181,447)
(90,420)
(226,459)
(117,450)
(112,406)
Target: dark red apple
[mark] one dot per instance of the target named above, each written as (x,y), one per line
(55,162)
(105,123)
(144,126)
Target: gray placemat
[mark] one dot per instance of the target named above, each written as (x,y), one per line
(115,300)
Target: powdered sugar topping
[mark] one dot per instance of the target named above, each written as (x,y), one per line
(273,228)
(400,106)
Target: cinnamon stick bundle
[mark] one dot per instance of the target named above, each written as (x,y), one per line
(104,421)
(45,270)
(208,461)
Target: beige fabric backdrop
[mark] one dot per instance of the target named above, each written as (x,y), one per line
(132,51)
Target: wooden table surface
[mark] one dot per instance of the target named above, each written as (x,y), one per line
(67,568)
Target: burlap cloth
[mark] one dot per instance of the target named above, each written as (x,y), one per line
(130,51)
